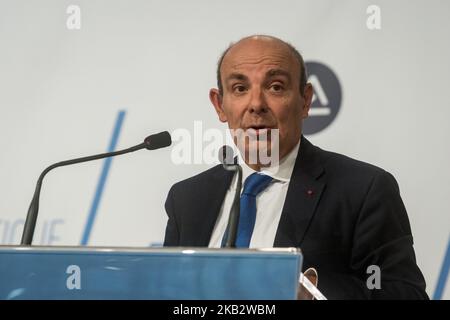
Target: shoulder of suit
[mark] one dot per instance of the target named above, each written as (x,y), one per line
(200,178)
(338,163)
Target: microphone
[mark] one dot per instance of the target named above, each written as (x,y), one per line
(226,157)
(152,142)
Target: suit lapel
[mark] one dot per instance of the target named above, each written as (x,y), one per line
(209,206)
(302,197)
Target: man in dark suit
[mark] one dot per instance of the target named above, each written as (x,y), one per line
(346,216)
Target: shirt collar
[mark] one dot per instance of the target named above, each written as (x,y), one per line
(281,171)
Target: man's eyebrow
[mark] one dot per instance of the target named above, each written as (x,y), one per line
(278,72)
(237,76)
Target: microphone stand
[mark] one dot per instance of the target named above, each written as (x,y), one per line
(227,159)
(233,220)
(152,142)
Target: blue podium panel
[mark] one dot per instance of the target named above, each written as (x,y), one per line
(162,273)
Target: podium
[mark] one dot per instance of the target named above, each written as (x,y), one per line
(39,272)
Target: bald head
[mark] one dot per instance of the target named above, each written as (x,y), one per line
(284,49)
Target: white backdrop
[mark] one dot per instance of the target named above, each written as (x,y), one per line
(61,91)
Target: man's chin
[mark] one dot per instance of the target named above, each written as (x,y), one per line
(260,153)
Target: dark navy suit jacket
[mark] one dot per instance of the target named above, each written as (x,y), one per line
(345,215)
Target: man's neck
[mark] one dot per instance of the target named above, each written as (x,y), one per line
(282,169)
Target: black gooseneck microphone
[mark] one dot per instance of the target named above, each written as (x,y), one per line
(152,142)
(226,157)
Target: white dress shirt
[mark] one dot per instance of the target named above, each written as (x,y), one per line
(269,203)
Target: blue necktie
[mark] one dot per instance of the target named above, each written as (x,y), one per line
(254,184)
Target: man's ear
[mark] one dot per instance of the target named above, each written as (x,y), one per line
(307,95)
(216,100)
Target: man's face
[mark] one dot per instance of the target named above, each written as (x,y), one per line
(261,91)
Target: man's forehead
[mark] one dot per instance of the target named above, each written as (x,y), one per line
(259,51)
(236,75)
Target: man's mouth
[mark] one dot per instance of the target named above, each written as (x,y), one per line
(259,127)
(259,130)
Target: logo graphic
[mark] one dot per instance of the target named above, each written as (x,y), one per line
(326,100)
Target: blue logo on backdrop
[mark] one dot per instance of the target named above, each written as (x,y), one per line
(326,100)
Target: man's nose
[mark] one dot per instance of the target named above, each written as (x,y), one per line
(257,102)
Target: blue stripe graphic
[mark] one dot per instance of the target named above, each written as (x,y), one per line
(443,276)
(102,180)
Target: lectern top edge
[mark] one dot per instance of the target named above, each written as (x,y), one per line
(175,250)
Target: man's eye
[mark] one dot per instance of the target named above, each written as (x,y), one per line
(239,89)
(276,87)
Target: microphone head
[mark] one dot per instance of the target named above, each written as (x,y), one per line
(226,155)
(158,140)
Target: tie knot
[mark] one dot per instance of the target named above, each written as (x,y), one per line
(255,183)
